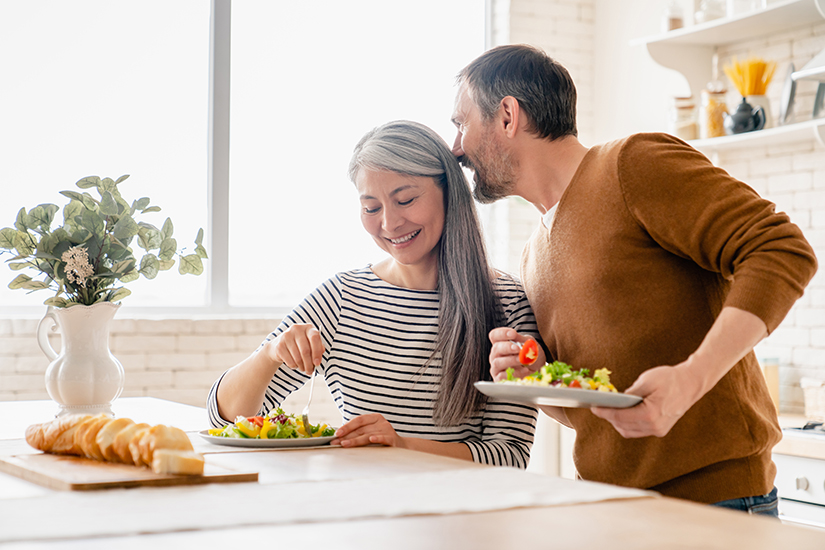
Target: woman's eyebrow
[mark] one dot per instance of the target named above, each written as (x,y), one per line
(392,193)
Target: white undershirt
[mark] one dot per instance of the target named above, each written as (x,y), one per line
(547,218)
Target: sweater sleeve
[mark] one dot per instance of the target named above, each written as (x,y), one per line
(699,212)
(321,309)
(508,428)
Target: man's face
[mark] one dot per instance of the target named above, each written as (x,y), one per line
(479,148)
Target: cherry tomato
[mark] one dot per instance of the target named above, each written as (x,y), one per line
(529,352)
(575,384)
(257,420)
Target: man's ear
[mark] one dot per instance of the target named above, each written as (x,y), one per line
(509,111)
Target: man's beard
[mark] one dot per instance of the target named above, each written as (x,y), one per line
(493,178)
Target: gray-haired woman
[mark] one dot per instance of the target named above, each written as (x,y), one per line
(401,342)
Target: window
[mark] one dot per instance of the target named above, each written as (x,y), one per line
(105,88)
(308,80)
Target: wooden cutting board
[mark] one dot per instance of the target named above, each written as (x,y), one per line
(72,473)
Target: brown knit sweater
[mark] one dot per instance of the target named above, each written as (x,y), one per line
(649,242)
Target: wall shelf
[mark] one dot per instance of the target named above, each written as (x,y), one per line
(690,50)
(789,133)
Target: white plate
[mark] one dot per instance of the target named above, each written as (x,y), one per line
(559,397)
(266,443)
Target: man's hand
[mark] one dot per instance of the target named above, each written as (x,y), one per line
(668,393)
(504,354)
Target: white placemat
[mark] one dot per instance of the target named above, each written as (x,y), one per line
(158,510)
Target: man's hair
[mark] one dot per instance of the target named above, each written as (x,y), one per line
(468,306)
(541,85)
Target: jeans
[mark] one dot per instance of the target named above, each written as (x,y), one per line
(764,505)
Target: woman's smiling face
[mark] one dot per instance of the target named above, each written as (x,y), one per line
(404,214)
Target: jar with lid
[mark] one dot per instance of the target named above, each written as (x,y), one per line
(712,114)
(682,122)
(673,18)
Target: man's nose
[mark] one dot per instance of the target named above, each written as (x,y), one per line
(458,150)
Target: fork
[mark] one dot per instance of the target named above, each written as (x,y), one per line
(305,414)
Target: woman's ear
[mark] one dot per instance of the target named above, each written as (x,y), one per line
(509,112)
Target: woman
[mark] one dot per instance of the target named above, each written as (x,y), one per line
(401,342)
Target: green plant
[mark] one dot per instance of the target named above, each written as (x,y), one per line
(89,257)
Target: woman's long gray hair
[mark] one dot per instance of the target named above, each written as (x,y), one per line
(469,308)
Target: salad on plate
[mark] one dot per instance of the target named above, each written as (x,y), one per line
(558,374)
(275,425)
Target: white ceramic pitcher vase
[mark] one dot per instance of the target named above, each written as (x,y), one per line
(84,377)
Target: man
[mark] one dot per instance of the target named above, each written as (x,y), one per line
(649,261)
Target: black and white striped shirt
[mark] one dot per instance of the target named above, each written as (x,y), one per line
(377,338)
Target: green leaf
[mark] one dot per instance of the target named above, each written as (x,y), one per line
(107,184)
(88,182)
(191,263)
(35,285)
(79,236)
(20,222)
(149,239)
(165,265)
(17,266)
(119,294)
(73,209)
(126,228)
(45,255)
(168,228)
(168,248)
(199,238)
(7,237)
(74,195)
(19,281)
(108,206)
(24,243)
(201,251)
(122,178)
(89,201)
(93,222)
(56,301)
(42,215)
(140,204)
(124,267)
(149,266)
(131,276)
(150,209)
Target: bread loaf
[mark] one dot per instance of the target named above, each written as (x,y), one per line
(105,438)
(168,461)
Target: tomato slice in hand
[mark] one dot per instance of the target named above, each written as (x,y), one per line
(529,352)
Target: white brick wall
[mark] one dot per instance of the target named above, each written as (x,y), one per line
(175,359)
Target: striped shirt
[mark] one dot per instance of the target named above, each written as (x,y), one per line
(377,338)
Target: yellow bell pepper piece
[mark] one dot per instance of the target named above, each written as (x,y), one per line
(248,428)
(265,429)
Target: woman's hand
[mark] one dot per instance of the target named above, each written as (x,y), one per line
(504,354)
(298,347)
(365,430)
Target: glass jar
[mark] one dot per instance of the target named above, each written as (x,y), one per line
(682,123)
(673,18)
(709,10)
(712,114)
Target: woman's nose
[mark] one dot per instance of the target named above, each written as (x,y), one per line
(392,219)
(458,150)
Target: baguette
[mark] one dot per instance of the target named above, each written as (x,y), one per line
(120,445)
(165,449)
(168,461)
(106,437)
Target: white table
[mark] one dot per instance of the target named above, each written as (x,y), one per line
(372,485)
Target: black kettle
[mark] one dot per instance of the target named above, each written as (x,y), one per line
(745,119)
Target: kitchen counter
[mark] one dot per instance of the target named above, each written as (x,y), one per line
(798,444)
